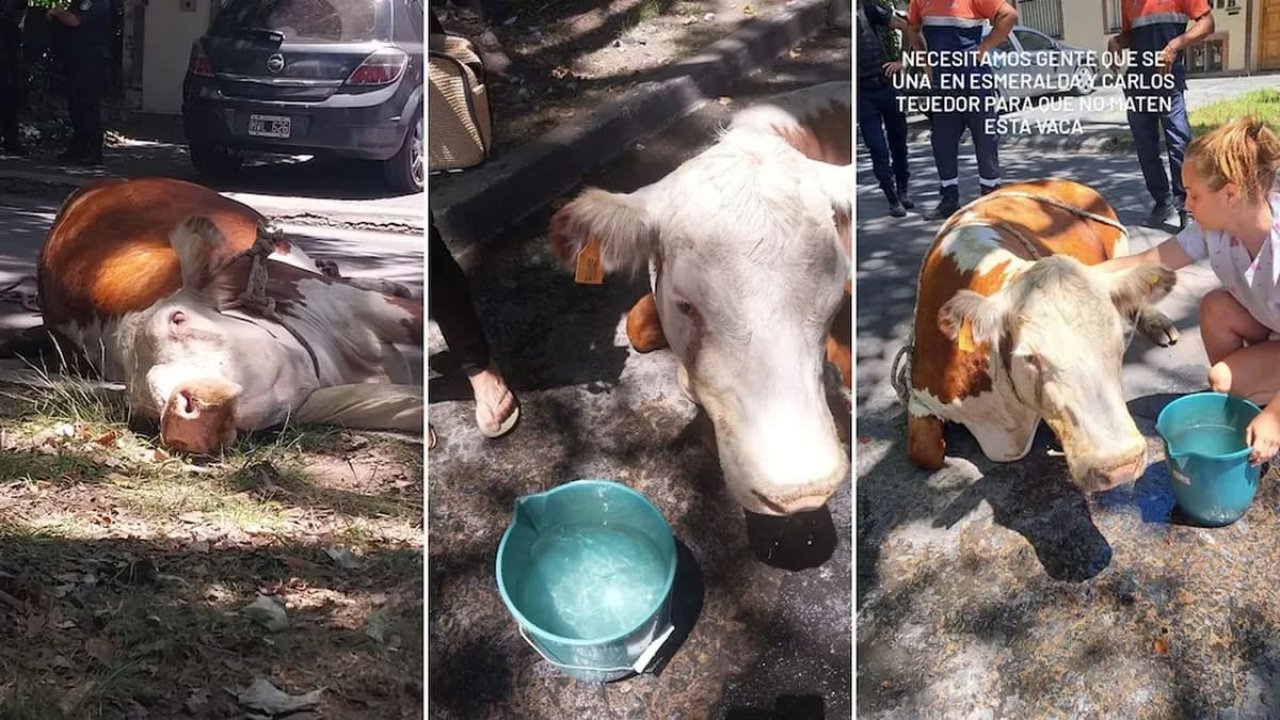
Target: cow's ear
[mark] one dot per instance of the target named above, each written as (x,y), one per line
(209,267)
(618,221)
(982,315)
(838,183)
(1135,287)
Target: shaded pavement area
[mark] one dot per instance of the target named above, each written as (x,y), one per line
(999,590)
(769,601)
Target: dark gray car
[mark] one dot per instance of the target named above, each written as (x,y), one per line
(338,78)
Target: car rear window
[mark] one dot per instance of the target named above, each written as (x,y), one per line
(308,21)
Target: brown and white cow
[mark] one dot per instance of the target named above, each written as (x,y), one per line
(1012,326)
(215,323)
(748,249)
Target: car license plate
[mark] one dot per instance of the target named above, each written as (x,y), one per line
(272,126)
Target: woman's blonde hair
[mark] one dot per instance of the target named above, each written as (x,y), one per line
(1244,152)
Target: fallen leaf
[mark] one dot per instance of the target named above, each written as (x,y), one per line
(268,611)
(1160,646)
(100,649)
(108,439)
(724,100)
(559,72)
(344,557)
(262,695)
(793,53)
(749,11)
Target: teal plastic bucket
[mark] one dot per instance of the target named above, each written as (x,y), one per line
(1204,443)
(586,569)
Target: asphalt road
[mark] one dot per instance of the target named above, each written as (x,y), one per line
(764,607)
(998,590)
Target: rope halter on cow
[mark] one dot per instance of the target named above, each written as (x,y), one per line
(900,369)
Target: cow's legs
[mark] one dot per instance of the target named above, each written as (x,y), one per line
(644,327)
(1155,326)
(840,342)
(370,406)
(926,447)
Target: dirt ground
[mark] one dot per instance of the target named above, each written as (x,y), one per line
(549,60)
(126,575)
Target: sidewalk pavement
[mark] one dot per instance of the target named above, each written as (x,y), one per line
(473,206)
(293,190)
(1104,126)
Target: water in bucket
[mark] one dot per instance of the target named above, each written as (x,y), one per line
(590,580)
(586,569)
(1204,442)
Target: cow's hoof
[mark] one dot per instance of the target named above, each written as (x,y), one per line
(686,388)
(1157,327)
(926,448)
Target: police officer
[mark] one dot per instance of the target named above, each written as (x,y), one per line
(954,28)
(11,74)
(1155,91)
(84,46)
(880,119)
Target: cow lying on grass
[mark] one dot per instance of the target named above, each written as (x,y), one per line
(1012,326)
(748,244)
(215,323)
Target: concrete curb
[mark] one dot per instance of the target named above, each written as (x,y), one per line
(473,206)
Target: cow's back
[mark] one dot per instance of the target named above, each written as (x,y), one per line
(1006,230)
(816,120)
(108,252)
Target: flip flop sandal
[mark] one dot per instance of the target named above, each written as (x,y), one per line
(505,426)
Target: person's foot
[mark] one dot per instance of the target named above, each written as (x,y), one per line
(896,208)
(497,409)
(905,198)
(945,208)
(1162,214)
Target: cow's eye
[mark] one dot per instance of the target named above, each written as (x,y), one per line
(177,318)
(684,307)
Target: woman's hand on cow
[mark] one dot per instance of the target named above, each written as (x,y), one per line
(1263,436)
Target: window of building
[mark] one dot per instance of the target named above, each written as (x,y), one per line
(1206,57)
(1111,18)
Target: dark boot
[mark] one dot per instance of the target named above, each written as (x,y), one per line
(988,189)
(896,207)
(947,206)
(904,197)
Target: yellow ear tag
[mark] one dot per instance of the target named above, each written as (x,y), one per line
(589,270)
(964,339)
(1153,278)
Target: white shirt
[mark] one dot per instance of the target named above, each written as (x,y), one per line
(1254,283)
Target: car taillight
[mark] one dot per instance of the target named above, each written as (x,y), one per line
(199,64)
(382,67)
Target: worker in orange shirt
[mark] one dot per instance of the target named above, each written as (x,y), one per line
(1160,26)
(953,27)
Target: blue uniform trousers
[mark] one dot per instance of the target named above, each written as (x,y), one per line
(1146,128)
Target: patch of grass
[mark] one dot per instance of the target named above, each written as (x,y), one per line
(1264,103)
(168,495)
(59,468)
(648,10)
(69,398)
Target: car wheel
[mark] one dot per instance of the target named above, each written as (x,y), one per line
(1084,81)
(406,171)
(215,161)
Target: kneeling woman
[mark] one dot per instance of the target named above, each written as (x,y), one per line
(1229,175)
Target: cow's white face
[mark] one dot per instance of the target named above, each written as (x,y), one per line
(750,270)
(1057,339)
(204,373)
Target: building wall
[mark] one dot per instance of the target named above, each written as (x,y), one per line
(169,29)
